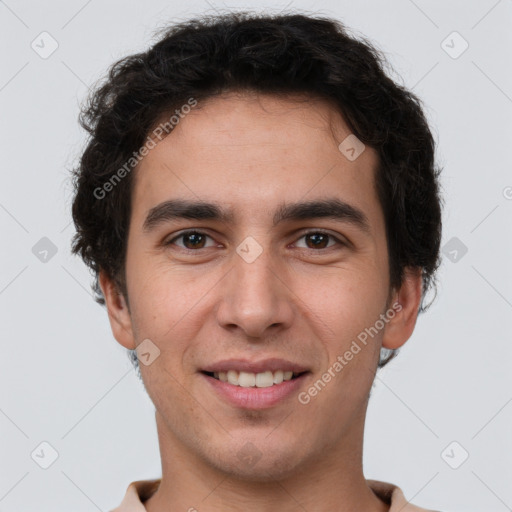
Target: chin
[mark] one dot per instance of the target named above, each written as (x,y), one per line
(264,464)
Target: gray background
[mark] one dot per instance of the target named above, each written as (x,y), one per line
(67,382)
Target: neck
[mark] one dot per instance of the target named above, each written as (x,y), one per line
(333,483)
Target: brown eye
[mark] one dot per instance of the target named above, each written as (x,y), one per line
(319,240)
(191,240)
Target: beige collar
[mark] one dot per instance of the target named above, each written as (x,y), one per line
(141,490)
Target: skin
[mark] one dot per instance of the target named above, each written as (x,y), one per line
(295,301)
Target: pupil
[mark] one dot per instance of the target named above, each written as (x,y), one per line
(196,239)
(318,239)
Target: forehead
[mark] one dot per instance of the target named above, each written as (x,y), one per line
(252,152)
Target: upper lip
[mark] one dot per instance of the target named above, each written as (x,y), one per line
(245,365)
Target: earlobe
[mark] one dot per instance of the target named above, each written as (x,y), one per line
(405,302)
(118,312)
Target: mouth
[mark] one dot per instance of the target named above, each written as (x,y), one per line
(264,379)
(255,391)
(262,384)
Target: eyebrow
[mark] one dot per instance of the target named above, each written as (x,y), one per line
(331,208)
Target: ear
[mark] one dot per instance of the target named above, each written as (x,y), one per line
(405,302)
(118,312)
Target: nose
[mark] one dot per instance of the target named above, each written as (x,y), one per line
(256,297)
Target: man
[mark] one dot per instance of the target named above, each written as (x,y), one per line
(260,205)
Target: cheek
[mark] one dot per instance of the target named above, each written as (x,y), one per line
(350,308)
(156,289)
(168,303)
(348,304)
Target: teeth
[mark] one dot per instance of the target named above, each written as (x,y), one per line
(249,380)
(278,376)
(246,380)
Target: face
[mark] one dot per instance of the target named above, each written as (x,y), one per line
(260,279)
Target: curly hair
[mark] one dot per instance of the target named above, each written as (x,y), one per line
(274,54)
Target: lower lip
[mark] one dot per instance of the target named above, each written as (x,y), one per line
(255,398)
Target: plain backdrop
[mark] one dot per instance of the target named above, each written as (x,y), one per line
(66,382)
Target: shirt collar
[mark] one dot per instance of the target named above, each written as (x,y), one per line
(141,490)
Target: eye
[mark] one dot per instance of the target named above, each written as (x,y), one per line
(319,240)
(191,240)
(194,240)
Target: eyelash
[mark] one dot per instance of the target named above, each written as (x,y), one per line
(197,232)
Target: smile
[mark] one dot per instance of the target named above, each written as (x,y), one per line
(243,379)
(255,390)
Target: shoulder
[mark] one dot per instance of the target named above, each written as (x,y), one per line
(394,496)
(137,492)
